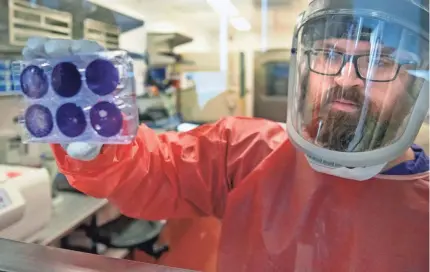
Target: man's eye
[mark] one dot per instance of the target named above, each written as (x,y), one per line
(383,62)
(330,55)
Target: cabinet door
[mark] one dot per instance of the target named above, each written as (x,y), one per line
(271,84)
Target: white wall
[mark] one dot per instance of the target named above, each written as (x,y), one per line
(134,40)
(253,41)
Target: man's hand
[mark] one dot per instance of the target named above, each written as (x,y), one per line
(54,48)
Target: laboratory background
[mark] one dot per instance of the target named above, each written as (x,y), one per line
(195,61)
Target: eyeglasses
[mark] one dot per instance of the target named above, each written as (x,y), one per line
(378,68)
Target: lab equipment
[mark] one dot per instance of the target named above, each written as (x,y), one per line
(11,206)
(25,201)
(87,97)
(270,72)
(6,79)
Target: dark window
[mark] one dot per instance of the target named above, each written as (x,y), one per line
(277,78)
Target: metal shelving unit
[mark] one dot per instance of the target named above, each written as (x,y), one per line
(105,34)
(19,21)
(26,20)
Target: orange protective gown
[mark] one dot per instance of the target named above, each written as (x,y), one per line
(277,213)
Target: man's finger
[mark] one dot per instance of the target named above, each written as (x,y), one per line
(58,48)
(35,48)
(36,43)
(85,46)
(28,54)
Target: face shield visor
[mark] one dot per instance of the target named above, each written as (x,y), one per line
(358,80)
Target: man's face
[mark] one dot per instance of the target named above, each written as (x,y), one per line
(338,104)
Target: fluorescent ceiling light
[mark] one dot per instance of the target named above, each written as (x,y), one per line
(264,27)
(240,24)
(224,7)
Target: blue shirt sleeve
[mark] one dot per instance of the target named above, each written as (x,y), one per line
(419,165)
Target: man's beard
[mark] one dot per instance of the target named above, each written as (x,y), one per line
(335,130)
(341,130)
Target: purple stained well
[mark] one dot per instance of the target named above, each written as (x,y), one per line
(71,120)
(102,77)
(106,119)
(39,121)
(66,79)
(34,82)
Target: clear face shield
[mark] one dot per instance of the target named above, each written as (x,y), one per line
(357,82)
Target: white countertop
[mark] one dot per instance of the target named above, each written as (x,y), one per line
(69,211)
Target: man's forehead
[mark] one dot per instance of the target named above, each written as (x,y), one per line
(353,46)
(364,47)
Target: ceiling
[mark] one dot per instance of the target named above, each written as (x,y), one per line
(197,19)
(192,15)
(279,16)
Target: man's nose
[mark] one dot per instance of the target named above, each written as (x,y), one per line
(348,76)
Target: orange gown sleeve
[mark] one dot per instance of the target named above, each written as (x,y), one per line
(174,175)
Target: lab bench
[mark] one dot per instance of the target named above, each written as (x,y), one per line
(69,211)
(22,257)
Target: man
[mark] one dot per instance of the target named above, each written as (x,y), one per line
(345,191)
